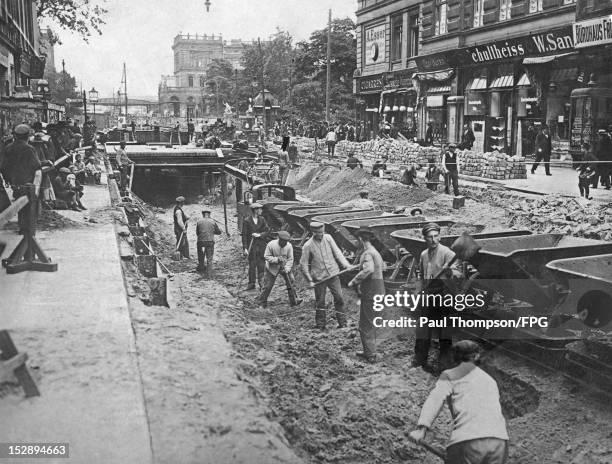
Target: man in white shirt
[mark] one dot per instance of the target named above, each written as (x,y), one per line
(320,258)
(331,138)
(479,433)
(279,260)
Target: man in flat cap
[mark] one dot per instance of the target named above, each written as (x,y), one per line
(279,260)
(436,266)
(206,229)
(20,166)
(479,433)
(371,283)
(123,163)
(543,149)
(320,258)
(63,189)
(180,227)
(450,168)
(255,233)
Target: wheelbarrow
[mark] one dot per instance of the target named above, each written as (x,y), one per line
(415,243)
(383,226)
(303,217)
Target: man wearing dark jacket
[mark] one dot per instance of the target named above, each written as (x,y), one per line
(255,232)
(206,229)
(467,137)
(543,148)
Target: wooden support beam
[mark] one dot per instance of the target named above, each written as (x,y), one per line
(16,362)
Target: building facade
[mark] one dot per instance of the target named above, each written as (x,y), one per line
(387,45)
(504,67)
(20,62)
(183,93)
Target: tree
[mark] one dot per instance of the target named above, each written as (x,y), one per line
(311,64)
(219,81)
(275,60)
(84,17)
(63,86)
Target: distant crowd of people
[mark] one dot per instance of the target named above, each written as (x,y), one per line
(47,157)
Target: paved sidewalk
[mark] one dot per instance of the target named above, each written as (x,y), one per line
(564,181)
(75,326)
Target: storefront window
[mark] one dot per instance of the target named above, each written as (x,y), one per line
(396,37)
(505,10)
(441,21)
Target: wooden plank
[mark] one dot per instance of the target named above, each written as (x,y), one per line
(8,351)
(16,206)
(7,368)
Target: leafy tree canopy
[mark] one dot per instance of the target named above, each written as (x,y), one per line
(84,17)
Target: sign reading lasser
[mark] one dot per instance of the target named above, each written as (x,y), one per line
(375,45)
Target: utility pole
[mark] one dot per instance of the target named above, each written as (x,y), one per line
(125,91)
(327,90)
(263,89)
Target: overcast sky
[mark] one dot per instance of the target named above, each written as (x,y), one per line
(140,32)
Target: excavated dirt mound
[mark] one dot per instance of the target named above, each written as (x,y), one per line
(334,185)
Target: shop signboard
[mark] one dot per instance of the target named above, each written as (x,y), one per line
(558,40)
(370,84)
(435,61)
(475,104)
(398,80)
(593,32)
(375,44)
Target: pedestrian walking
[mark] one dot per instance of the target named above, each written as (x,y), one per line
(20,166)
(180,227)
(479,434)
(190,130)
(283,167)
(467,137)
(587,171)
(543,148)
(433,260)
(206,229)
(604,155)
(371,284)
(279,260)
(255,232)
(451,167)
(320,259)
(331,139)
(429,137)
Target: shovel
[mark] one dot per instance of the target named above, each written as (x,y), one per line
(465,248)
(431,448)
(333,276)
(177,254)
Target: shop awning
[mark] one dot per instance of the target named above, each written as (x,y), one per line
(478,83)
(562,75)
(545,59)
(439,89)
(524,81)
(502,82)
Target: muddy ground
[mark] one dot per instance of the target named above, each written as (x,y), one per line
(330,407)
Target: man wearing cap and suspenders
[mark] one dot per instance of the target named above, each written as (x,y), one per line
(279,260)
(180,228)
(20,166)
(206,229)
(320,258)
(434,259)
(255,231)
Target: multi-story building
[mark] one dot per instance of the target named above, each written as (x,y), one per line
(182,94)
(20,61)
(504,67)
(387,44)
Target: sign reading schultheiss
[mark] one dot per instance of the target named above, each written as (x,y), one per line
(375,45)
(592,32)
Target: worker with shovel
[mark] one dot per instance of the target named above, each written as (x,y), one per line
(279,260)
(479,433)
(370,280)
(180,228)
(319,263)
(437,265)
(255,232)
(206,229)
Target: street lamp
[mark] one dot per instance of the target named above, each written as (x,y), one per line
(207,5)
(85,105)
(93,98)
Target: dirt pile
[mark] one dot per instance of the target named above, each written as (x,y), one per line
(335,185)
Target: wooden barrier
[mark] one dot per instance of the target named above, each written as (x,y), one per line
(27,256)
(12,363)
